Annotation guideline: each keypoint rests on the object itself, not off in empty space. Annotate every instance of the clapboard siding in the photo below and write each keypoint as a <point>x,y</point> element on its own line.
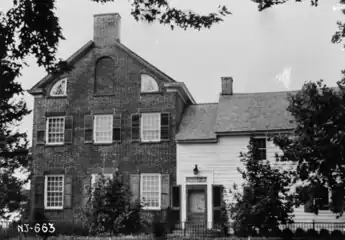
<point>223,158</point>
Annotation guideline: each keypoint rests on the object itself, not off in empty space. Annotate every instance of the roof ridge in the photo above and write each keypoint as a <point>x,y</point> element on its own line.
<point>252,93</point>
<point>205,103</point>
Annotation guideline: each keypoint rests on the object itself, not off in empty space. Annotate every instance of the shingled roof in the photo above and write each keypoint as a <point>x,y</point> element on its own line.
<point>240,113</point>
<point>198,122</point>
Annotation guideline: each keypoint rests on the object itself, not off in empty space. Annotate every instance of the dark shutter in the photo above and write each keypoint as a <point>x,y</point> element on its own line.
<point>88,128</point>
<point>39,192</point>
<point>217,195</point>
<point>134,184</point>
<point>41,133</point>
<point>86,190</point>
<point>68,129</point>
<point>136,127</point>
<point>117,127</point>
<point>176,196</point>
<point>165,191</point>
<point>68,192</point>
<point>165,126</point>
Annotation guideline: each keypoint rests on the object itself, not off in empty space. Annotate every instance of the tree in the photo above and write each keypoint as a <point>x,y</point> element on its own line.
<point>265,201</point>
<point>318,145</point>
<point>14,145</point>
<point>109,208</point>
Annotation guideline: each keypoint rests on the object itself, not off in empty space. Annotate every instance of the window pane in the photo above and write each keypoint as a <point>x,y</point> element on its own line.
<point>103,128</point>
<point>56,129</point>
<point>151,190</point>
<point>151,127</point>
<point>54,191</point>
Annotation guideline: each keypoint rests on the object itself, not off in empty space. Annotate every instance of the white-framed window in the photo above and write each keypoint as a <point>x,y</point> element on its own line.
<point>148,84</point>
<point>59,88</point>
<point>150,190</point>
<point>150,130</point>
<point>54,192</point>
<point>103,128</point>
<point>55,130</point>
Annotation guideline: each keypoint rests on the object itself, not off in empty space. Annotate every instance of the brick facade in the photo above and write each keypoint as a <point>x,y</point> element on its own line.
<point>80,159</point>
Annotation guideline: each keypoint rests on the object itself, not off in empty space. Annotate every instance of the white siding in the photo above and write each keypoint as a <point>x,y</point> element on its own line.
<point>223,159</point>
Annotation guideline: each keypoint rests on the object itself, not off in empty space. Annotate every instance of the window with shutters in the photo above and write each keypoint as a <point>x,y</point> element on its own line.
<point>150,127</point>
<point>150,191</point>
<point>55,130</point>
<point>103,128</point>
<point>59,89</point>
<point>260,148</point>
<point>148,84</point>
<point>54,192</point>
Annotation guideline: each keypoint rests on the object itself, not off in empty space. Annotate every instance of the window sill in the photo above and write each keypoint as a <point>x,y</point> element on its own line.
<point>151,209</point>
<point>54,144</point>
<point>53,209</point>
<point>152,142</point>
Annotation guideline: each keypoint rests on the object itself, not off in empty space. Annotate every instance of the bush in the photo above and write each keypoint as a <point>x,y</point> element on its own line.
<point>159,229</point>
<point>324,233</point>
<point>241,232</point>
<point>300,233</point>
<point>337,235</point>
<point>287,234</point>
<point>275,233</point>
<point>312,234</point>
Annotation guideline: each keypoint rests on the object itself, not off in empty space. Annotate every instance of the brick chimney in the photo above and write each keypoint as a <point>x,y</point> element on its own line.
<point>106,29</point>
<point>227,85</point>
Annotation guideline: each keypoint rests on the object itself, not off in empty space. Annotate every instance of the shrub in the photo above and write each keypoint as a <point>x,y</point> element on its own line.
<point>158,228</point>
<point>241,232</point>
<point>324,233</point>
<point>109,208</point>
<point>337,235</point>
<point>300,233</point>
<point>287,234</point>
<point>312,234</point>
<point>275,233</point>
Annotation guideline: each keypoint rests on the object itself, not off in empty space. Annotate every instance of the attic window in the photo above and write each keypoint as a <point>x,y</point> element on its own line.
<point>59,88</point>
<point>148,84</point>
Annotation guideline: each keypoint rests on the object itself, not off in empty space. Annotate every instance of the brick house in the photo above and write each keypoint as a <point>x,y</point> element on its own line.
<point>113,110</point>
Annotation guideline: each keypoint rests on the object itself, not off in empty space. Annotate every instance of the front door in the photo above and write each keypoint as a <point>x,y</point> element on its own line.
<point>196,201</point>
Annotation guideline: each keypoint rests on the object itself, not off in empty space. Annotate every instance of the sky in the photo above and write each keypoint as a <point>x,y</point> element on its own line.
<point>278,49</point>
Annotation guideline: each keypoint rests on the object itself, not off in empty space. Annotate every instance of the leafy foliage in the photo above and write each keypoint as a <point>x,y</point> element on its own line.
<point>265,201</point>
<point>109,208</point>
<point>318,143</point>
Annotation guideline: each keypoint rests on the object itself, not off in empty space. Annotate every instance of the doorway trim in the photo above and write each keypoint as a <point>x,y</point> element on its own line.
<point>197,187</point>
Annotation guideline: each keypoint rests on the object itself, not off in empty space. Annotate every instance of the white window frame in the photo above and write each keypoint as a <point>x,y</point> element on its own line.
<point>46,191</point>
<point>95,117</point>
<point>47,130</point>
<point>146,78</point>
<point>142,127</point>
<point>54,86</point>
<point>159,186</point>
